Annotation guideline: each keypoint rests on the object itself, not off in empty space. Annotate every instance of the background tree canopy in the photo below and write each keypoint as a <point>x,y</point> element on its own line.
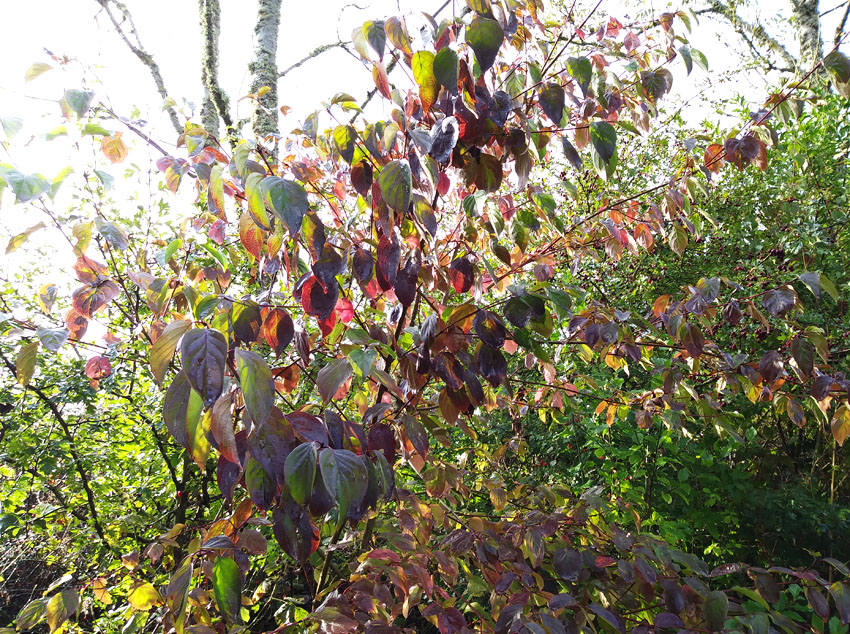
<point>528,352</point>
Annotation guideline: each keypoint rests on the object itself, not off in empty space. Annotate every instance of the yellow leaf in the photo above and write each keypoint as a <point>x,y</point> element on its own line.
<point>35,70</point>
<point>25,362</point>
<point>841,424</point>
<point>114,148</point>
<point>98,586</point>
<point>143,597</point>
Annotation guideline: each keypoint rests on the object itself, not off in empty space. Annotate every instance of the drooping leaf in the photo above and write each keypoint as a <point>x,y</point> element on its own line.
<point>446,69</point>
<point>114,148</point>
<point>492,365</point>
<point>61,606</point>
<point>346,479</point>
<point>716,609</point>
<point>376,36</point>
<point>221,427</point>
<point>278,328</point>
<point>396,184</point>
<point>444,137</point>
<point>551,98</point>
<point>246,320</point>
<point>345,139</point>
<point>287,199</point>
<point>294,530</point>
<point>77,101</point>
<point>165,345</point>
<point>255,379</point>
<point>16,241</point>
<point>489,328</point>
<point>204,355</point>
<point>317,300</point>
<point>423,74</point>
<point>227,587</point>
<point>461,274</point>
<point>580,69</point>
<point>389,253</point>
<point>331,377</point>
<point>300,471</point>
<point>37,69</point>
<point>31,614</point>
<point>397,35</point>
<point>485,36</point>
<point>25,362</point>
<point>52,338</point>
<point>603,137</point>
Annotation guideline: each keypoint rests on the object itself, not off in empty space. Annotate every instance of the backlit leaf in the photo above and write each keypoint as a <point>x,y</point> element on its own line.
<point>300,470</point>
<point>227,587</point>
<point>204,355</point>
<point>255,379</point>
<point>396,184</point>
<point>331,377</point>
<point>485,36</point>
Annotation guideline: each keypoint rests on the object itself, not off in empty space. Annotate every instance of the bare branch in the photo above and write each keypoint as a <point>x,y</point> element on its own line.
<point>839,32</point>
<point>753,34</point>
<point>139,51</point>
<point>314,53</point>
<point>216,103</point>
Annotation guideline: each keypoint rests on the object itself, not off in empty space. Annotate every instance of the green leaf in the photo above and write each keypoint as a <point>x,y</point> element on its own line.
<point>551,99</point>
<point>603,137</point>
<point>678,239</point>
<point>446,69</point>
<point>77,101</point>
<point>163,348</point>
<point>26,186</point>
<point>227,587</point>
<point>11,125</point>
<point>255,379</point>
<point>685,52</point>
<point>61,607</point>
<point>31,614</point>
<point>25,362</point>
<point>345,137</point>
<point>838,64</point>
<point>700,59</point>
<point>715,610</point>
<point>300,471</point>
<point>364,360</point>
<point>331,377</point>
<point>52,338</point>
<point>376,36</point>
<point>115,235</point>
<point>580,69</point>
<point>485,36</point>
<point>204,354</point>
<point>94,129</point>
<point>256,205</point>
<point>396,183</point>
<point>287,199</point>
<point>346,479</point>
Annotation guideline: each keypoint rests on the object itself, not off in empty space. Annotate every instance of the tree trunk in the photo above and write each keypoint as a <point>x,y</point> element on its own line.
<point>210,15</point>
<point>264,68</point>
<point>807,27</point>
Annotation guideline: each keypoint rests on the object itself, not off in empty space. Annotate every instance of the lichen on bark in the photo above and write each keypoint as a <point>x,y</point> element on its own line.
<point>264,68</point>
